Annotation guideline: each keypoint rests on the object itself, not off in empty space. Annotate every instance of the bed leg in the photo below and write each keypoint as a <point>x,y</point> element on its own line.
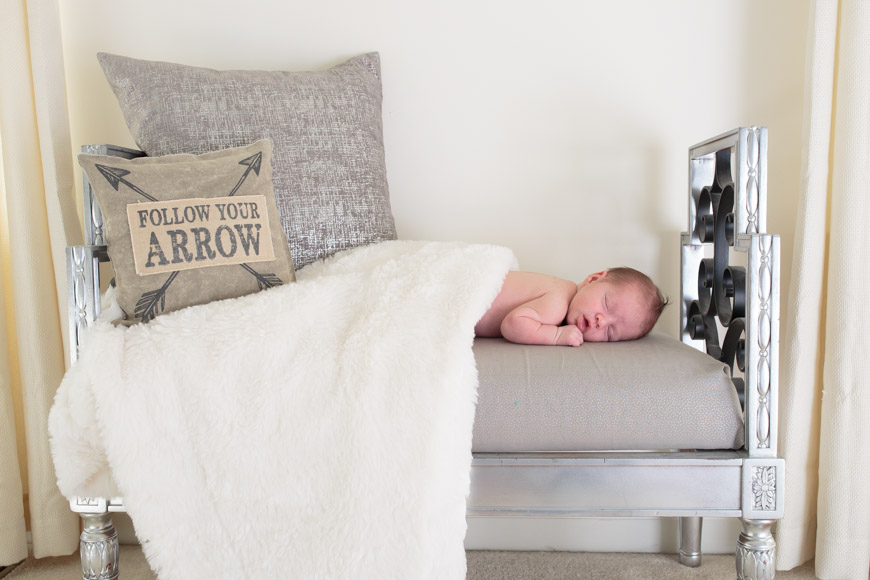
<point>99,547</point>
<point>756,551</point>
<point>690,541</point>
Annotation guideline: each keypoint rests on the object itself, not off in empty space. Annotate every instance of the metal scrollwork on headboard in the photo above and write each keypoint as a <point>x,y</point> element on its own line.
<point>721,287</point>
<point>730,284</point>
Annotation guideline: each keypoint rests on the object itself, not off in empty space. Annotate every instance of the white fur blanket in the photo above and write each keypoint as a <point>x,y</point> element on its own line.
<point>317,430</point>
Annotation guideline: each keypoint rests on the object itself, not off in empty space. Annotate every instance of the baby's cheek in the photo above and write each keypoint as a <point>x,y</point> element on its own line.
<point>592,336</point>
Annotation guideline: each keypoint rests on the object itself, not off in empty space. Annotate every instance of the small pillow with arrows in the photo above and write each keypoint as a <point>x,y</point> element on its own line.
<point>186,229</point>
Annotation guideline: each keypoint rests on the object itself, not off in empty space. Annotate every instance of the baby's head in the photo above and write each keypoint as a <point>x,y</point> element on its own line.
<point>616,304</point>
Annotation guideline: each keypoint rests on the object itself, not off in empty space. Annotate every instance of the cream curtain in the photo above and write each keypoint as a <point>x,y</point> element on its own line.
<point>825,428</point>
<point>38,219</point>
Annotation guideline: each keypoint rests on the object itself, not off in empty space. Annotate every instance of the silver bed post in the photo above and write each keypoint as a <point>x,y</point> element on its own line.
<point>756,551</point>
<point>99,547</point>
<point>99,540</point>
<point>728,191</point>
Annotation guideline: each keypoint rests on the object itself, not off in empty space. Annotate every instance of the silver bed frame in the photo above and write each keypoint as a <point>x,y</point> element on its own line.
<point>729,288</point>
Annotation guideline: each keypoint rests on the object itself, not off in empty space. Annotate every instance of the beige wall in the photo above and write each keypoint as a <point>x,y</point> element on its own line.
<point>559,128</point>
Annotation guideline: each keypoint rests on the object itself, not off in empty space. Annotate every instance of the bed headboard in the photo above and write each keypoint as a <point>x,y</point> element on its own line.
<point>730,273</point>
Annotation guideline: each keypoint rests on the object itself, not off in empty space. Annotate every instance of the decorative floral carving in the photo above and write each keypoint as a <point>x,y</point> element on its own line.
<point>764,488</point>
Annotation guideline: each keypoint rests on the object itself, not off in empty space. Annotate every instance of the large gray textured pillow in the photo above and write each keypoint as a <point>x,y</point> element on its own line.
<point>328,162</point>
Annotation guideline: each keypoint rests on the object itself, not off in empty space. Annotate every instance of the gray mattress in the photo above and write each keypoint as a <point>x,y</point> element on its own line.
<point>648,394</point>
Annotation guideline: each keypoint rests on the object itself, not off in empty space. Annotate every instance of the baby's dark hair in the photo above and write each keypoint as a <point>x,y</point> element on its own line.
<point>657,300</point>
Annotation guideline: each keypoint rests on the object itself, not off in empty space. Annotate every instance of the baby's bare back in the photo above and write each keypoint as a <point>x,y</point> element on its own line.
<point>520,288</point>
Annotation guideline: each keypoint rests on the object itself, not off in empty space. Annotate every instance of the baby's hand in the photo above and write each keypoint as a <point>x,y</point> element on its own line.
<point>569,335</point>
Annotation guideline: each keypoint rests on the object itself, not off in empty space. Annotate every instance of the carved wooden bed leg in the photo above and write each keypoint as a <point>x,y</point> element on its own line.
<point>690,541</point>
<point>756,551</point>
<point>99,547</point>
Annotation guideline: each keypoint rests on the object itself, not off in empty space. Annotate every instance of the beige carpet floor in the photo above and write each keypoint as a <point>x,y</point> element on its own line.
<point>481,566</point>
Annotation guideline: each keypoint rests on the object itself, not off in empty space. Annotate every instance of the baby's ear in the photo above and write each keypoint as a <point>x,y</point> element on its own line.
<point>594,277</point>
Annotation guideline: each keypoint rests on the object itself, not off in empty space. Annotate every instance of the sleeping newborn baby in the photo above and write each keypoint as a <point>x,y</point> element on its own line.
<point>611,305</point>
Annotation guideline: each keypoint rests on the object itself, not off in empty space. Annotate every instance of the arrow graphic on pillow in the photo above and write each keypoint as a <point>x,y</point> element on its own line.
<point>115,177</point>
<point>152,303</point>
<point>263,280</point>
<point>253,162</point>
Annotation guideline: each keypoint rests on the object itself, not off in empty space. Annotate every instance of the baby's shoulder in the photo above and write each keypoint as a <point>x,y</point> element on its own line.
<point>534,284</point>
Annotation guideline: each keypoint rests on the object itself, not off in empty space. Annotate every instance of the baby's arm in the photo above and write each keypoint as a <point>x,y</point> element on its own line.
<point>528,323</point>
